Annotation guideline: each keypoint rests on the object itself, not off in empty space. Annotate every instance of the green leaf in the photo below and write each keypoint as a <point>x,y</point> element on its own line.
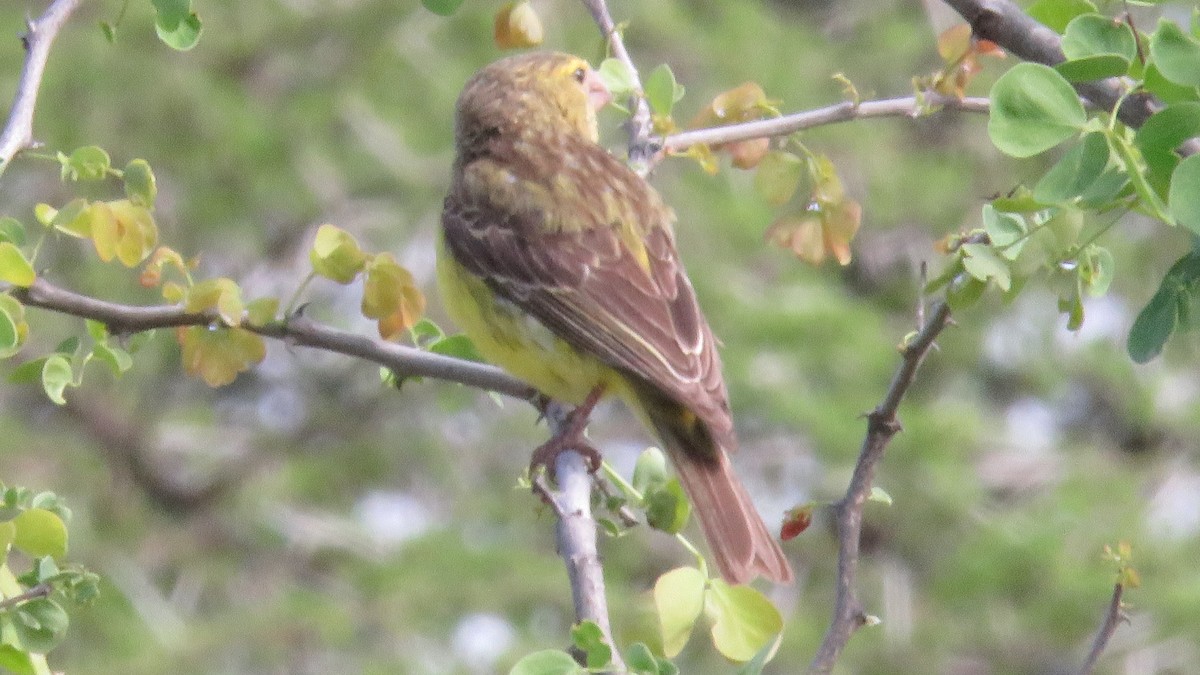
<point>588,638</point>
<point>74,218</point>
<point>1166,129</point>
<point>1166,90</point>
<point>1075,172</point>
<point>1007,231</point>
<point>963,291</point>
<point>650,470</point>
<point>880,495</point>
<point>982,262</point>
<point>1033,110</point>
<point>12,231</point>
<point>1096,270</point>
<point>40,625</point>
<point>176,24</point>
<point>1153,325</point>
<point>679,599</point>
<point>667,508</point>
<point>118,360</point>
<point>1095,35</point>
<point>744,620</point>
<point>1183,199</point>
<point>1057,14</point>
<point>1176,54</point>
<point>1089,68</point>
<point>1157,320</point>
<point>442,7</point>
<point>9,337</point>
<point>549,662</point>
<point>458,346</point>
<point>40,532</point>
<point>87,163</point>
<point>15,660</point>
<point>56,376</point>
<point>140,185</point>
<point>14,267</point>
<point>662,91</point>
<point>616,76</point>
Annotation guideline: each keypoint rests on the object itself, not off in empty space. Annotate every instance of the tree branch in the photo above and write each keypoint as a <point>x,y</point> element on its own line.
<point>405,361</point>
<point>846,111</point>
<point>18,130</point>
<point>41,590</point>
<point>1007,25</point>
<point>641,147</point>
<point>882,425</point>
<point>1112,618</point>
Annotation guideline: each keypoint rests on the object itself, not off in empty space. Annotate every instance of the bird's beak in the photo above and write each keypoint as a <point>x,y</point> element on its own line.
<point>598,94</point>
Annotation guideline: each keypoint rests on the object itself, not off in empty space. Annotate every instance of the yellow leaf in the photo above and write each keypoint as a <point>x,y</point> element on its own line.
<point>517,26</point>
<point>336,255</point>
<point>391,296</point>
<point>679,599</point>
<point>103,230</point>
<point>801,233</point>
<point>221,294</point>
<point>14,267</point>
<point>744,620</point>
<point>217,356</point>
<point>137,234</point>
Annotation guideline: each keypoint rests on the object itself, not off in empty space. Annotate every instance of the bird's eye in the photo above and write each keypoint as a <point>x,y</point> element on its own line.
<point>579,74</point>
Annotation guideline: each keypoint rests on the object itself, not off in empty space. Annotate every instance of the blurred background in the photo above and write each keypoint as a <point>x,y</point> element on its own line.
<point>307,519</point>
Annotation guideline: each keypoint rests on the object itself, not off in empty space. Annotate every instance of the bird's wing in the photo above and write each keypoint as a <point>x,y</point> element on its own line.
<point>606,279</point>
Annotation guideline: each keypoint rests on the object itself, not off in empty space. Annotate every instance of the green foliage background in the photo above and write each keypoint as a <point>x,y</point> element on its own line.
<point>305,519</point>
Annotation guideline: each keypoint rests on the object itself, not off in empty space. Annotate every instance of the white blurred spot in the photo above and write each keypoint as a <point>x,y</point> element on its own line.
<point>391,517</point>
<point>481,639</point>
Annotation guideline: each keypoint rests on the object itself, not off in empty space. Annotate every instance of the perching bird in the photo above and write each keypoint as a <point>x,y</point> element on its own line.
<point>559,262</point>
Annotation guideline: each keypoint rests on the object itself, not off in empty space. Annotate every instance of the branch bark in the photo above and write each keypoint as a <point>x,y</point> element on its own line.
<point>1112,618</point>
<point>39,35</point>
<point>641,147</point>
<point>846,111</point>
<point>882,425</point>
<point>123,319</point>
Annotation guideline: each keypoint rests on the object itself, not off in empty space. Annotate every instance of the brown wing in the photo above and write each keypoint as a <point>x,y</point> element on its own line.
<point>597,265</point>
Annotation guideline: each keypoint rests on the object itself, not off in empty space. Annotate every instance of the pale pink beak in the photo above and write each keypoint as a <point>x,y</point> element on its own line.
<point>598,94</point>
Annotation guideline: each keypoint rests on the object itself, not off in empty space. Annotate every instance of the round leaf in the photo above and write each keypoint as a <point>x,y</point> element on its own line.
<point>679,598</point>
<point>14,267</point>
<point>744,620</point>
<point>1169,127</point>
<point>56,376</point>
<point>140,185</point>
<point>1033,110</point>
<point>1075,172</point>
<point>335,254</point>
<point>1176,54</point>
<point>1183,199</point>
<point>1093,67</point>
<point>1057,14</point>
<point>11,230</point>
<point>40,532</point>
<point>1094,34</point>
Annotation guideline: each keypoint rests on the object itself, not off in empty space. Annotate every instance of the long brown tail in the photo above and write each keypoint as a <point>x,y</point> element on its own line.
<point>739,539</point>
<point>737,535</point>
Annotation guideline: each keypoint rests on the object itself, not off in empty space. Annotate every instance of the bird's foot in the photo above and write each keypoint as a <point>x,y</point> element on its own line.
<point>570,436</point>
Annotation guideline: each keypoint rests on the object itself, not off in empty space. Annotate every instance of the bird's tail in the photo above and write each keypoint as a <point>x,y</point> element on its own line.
<point>740,541</point>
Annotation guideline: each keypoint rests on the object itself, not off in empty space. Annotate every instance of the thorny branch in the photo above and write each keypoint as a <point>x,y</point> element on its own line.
<point>882,425</point>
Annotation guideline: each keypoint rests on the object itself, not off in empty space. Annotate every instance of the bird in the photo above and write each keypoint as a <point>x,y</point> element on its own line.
<point>560,263</point>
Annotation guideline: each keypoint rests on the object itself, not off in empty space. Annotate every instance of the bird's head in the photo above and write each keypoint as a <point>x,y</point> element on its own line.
<point>547,91</point>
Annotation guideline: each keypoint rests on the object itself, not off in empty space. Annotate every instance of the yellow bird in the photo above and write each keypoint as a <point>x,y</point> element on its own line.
<point>559,262</point>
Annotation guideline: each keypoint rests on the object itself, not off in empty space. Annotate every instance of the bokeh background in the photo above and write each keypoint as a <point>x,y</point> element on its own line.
<point>307,519</point>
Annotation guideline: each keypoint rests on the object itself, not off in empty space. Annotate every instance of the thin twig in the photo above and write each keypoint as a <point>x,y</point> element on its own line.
<point>39,591</point>
<point>846,111</point>
<point>40,33</point>
<point>882,425</point>
<point>1112,618</point>
<point>641,148</point>
<point>405,361</point>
